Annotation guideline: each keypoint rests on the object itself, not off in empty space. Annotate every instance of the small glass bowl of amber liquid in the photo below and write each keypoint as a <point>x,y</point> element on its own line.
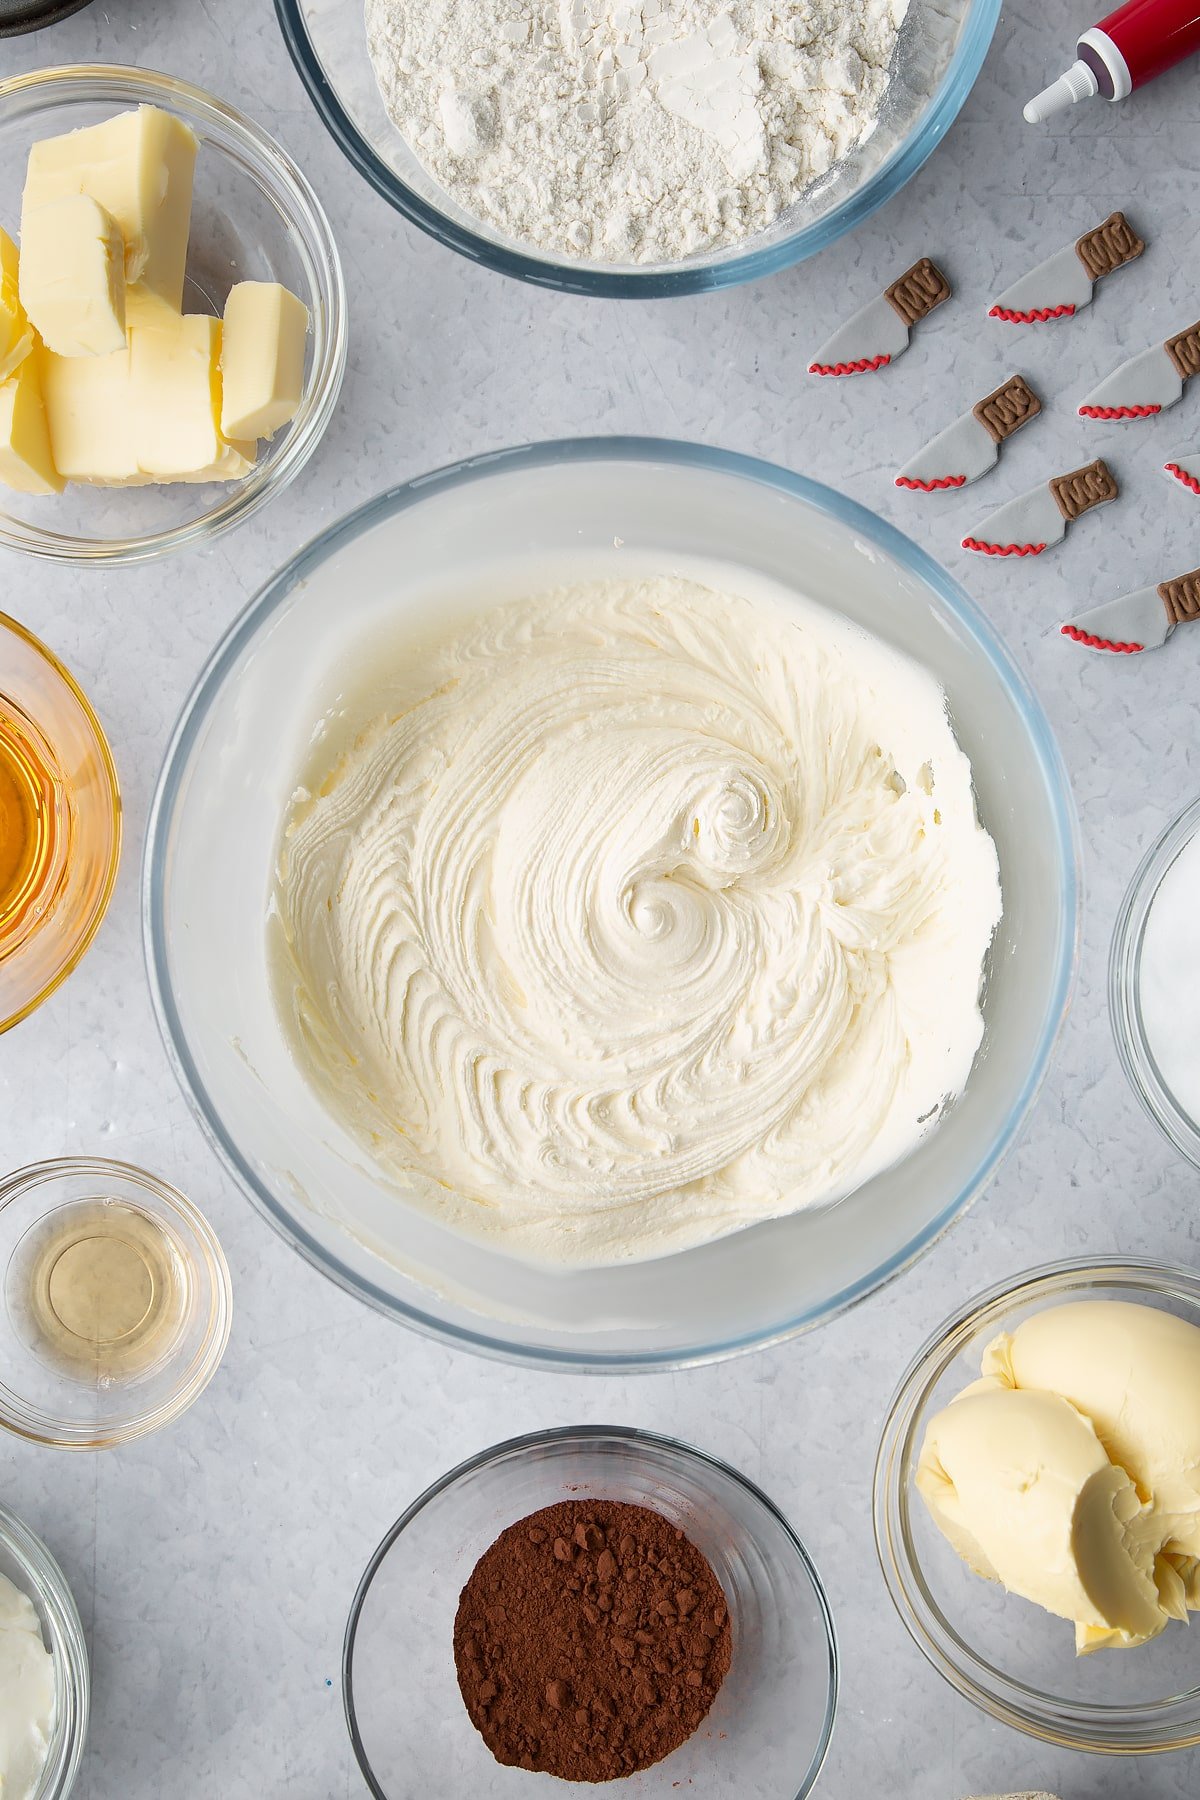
<point>115,1303</point>
<point>60,823</point>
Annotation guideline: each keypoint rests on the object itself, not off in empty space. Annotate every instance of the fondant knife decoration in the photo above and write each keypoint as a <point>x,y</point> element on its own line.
<point>1140,621</point>
<point>970,447</point>
<point>1183,466</point>
<point>1032,522</point>
<point>1065,282</point>
<point>879,332</point>
<point>1149,382</point>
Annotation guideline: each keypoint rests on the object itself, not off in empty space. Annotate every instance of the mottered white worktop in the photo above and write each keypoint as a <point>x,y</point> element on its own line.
<point>214,1564</point>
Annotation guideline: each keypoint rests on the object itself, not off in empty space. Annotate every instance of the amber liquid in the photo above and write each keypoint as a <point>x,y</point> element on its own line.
<point>34,826</point>
<point>97,1290</point>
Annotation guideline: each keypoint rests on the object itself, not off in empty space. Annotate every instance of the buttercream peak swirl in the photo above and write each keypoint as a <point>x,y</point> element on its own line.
<point>641,911</point>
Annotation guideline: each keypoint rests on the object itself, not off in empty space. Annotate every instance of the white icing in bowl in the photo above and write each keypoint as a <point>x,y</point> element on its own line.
<point>628,914</point>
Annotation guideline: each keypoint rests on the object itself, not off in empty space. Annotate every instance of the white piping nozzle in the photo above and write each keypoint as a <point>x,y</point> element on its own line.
<point>1079,83</point>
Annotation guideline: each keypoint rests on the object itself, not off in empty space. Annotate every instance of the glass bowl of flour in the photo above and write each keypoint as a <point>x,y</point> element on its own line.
<point>666,147</point>
<point>611,903</point>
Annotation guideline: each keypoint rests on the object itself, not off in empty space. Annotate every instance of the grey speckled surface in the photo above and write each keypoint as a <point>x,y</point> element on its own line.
<point>214,1564</point>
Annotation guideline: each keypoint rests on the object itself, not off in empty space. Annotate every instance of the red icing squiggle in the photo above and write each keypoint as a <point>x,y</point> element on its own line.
<point>1099,643</point>
<point>1189,481</point>
<point>929,487</point>
<point>972,543</point>
<point>1037,316</point>
<point>1118,412</point>
<point>861,367</point>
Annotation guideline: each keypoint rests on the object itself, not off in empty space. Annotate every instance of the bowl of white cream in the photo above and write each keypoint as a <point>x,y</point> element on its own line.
<point>1154,983</point>
<point>611,902</point>
<point>45,1684</point>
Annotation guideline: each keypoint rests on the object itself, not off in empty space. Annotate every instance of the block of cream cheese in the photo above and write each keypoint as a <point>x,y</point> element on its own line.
<point>72,281</point>
<point>262,359</point>
<point>16,337</point>
<point>139,166</point>
<point>1135,1372</point>
<point>1024,1490</point>
<point>175,395</point>
<point>90,417</point>
<point>26,460</point>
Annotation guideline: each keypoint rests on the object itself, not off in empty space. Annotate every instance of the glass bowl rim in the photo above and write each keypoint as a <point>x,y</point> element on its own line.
<point>109,769</point>
<point>290,189</point>
<point>73,1678</point>
<point>585,1435</point>
<point>622,281</point>
<point>275,593</point>
<point>1091,1726</point>
<point>58,1434</point>
<point>1124,986</point>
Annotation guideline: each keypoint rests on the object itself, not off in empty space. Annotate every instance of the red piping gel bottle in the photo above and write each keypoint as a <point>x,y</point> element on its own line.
<point>1133,45</point>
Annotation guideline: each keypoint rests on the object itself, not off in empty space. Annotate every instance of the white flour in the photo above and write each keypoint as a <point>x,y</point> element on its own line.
<point>631,130</point>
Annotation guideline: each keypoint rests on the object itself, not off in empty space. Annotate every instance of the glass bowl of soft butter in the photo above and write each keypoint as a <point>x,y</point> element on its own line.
<point>31,1579</point>
<point>254,219</point>
<point>1056,1491</point>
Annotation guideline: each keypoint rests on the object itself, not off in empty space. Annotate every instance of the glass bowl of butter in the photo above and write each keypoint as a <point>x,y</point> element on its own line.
<point>117,1303</point>
<point>1037,1512</point>
<point>44,1708</point>
<point>172,316</point>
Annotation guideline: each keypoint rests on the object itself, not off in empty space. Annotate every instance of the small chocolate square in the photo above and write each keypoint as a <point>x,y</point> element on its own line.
<point>1184,351</point>
<point>915,293</point>
<point>1084,488</point>
<point>1181,597</point>
<point>1007,408</point>
<point>1109,246</point>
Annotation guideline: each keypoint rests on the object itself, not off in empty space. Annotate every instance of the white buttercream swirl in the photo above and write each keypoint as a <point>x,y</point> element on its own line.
<point>642,912</point>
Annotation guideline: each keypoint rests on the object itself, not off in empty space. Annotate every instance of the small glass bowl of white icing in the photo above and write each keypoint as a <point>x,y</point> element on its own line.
<point>29,1566</point>
<point>1154,983</point>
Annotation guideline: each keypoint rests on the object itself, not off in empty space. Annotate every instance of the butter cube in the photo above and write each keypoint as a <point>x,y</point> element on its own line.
<point>139,167</point>
<point>146,413</point>
<point>26,462</point>
<point>234,462</point>
<point>175,395</point>
<point>262,359</point>
<point>92,425</point>
<point>73,276</point>
<point>16,336</point>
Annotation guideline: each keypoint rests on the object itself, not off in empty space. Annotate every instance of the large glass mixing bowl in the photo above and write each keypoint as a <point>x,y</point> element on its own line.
<point>939,54</point>
<point>544,514</point>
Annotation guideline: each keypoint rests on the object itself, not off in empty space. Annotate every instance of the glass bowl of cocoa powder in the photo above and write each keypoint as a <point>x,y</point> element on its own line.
<point>747,1582</point>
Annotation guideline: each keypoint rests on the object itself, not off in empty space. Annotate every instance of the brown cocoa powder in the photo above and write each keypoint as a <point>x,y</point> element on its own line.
<point>590,1640</point>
